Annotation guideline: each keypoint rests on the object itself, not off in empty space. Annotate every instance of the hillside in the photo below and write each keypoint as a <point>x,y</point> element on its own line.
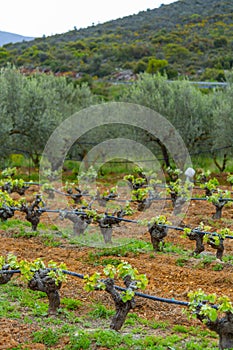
<point>188,37</point>
<point>6,38</point>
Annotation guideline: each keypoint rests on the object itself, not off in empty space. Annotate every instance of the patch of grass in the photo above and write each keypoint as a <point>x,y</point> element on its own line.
<point>218,267</point>
<point>138,329</point>
<point>26,234</point>
<point>100,311</point>
<point>199,345</point>
<point>18,298</point>
<point>40,309</point>
<point>9,310</point>
<point>71,304</point>
<point>49,240</point>
<point>205,260</point>
<point>20,347</point>
<point>110,261</point>
<point>157,325</point>
<point>181,261</point>
<point>180,329</point>
<point>107,338</point>
<point>198,331</point>
<point>227,258</point>
<point>95,239</point>
<point>171,248</point>
<point>116,168</point>
<point>47,337</point>
<point>217,224</point>
<point>131,320</point>
<point>135,247</point>
<point>12,223</point>
<point>79,341</point>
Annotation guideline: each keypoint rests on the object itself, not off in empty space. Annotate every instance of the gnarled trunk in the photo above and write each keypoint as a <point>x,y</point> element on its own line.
<point>223,327</point>
<point>198,237</point>
<point>43,282</point>
<point>145,204</point>
<point>106,232</point>
<point>219,247</point>
<point>157,234</point>
<point>122,308</point>
<point>219,207</point>
<point>5,277</point>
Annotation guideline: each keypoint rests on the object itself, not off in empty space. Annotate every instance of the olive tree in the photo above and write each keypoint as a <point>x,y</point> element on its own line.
<point>32,107</point>
<point>222,127</point>
<point>185,106</point>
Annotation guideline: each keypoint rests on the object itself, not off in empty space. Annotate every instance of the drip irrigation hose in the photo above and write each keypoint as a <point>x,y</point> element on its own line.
<point>139,294</point>
<point>142,295</point>
<point>124,220</point>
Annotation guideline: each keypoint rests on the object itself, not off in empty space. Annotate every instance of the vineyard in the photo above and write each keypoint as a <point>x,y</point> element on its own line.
<point>124,262</point>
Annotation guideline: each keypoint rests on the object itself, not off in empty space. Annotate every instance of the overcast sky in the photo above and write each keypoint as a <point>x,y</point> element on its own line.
<point>47,17</point>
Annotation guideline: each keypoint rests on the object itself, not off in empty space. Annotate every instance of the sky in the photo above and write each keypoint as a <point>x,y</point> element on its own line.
<point>48,17</point>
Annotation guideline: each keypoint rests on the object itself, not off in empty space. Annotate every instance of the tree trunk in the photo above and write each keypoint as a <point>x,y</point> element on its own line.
<point>107,233</point>
<point>122,308</point>
<point>122,311</point>
<point>44,283</point>
<point>198,237</point>
<point>80,226</point>
<point>224,163</point>
<point>165,153</point>
<point>219,207</point>
<point>34,218</point>
<point>4,278</point>
<point>54,302</point>
<point>157,234</point>
<point>6,212</point>
<point>173,195</point>
<point>145,204</point>
<point>36,160</point>
<point>219,247</point>
<point>223,327</point>
<point>163,149</point>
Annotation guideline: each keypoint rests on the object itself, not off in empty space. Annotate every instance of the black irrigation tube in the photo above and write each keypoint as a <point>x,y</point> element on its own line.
<point>154,298</point>
<point>125,220</point>
<point>172,227</point>
<point>142,295</point>
<point>139,294</point>
<point>9,272</point>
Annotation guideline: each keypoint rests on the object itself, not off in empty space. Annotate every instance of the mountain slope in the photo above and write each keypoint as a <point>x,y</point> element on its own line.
<point>6,38</point>
<point>191,37</point>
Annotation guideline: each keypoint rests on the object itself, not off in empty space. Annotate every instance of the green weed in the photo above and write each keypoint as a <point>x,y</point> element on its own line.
<point>180,329</point>
<point>181,261</point>
<point>47,337</point>
<point>79,341</point>
<point>156,325</point>
<point>71,304</point>
<point>26,234</point>
<point>100,311</point>
<point>218,267</point>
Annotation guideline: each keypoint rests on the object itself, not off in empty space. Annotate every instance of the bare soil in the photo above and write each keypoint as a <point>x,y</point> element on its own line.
<point>166,278</point>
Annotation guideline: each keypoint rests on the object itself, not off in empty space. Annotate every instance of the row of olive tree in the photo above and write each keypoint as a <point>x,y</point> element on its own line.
<point>31,107</point>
